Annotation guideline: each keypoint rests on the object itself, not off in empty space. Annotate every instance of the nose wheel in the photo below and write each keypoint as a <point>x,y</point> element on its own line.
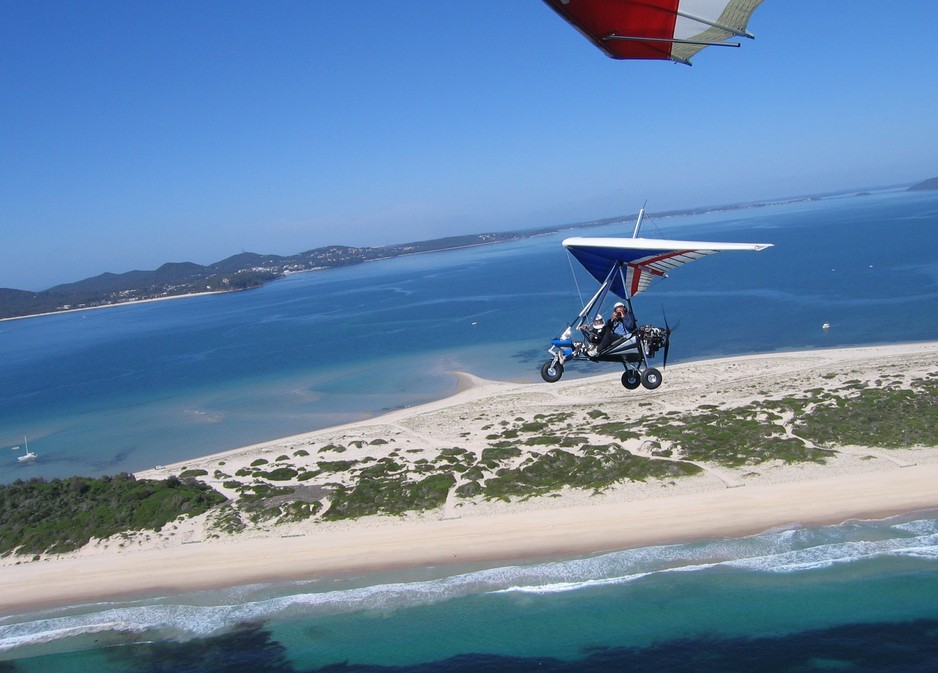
<point>551,371</point>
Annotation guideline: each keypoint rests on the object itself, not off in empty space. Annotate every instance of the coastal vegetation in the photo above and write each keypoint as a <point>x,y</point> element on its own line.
<point>62,515</point>
<point>596,469</point>
<point>890,416</point>
<point>381,470</point>
<point>585,449</point>
<point>746,436</point>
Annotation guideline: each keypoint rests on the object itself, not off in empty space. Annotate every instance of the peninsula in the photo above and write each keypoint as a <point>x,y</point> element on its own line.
<point>249,270</point>
<point>239,272</point>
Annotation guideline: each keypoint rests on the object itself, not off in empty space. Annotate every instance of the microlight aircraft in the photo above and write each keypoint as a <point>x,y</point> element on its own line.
<point>625,267</point>
<point>673,30</point>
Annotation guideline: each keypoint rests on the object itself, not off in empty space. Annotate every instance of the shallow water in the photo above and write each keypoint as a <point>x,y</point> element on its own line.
<point>126,388</point>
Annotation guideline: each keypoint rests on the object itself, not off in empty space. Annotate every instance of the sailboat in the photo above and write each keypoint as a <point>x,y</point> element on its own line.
<point>27,457</point>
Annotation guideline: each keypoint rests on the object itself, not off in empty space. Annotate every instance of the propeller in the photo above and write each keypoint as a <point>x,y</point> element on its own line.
<point>667,339</point>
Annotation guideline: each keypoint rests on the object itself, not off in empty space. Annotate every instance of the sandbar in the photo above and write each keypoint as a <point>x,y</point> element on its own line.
<point>860,483</point>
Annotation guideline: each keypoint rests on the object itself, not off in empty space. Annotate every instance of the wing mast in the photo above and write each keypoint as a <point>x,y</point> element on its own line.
<point>638,222</point>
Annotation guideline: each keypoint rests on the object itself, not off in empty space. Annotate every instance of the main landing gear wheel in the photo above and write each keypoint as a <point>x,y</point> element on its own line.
<point>651,378</point>
<point>631,379</point>
<point>551,371</point>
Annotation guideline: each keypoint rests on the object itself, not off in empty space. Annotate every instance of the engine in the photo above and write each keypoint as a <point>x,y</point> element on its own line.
<point>652,339</point>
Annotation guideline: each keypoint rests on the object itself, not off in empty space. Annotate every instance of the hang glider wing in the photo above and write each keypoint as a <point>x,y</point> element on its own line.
<point>642,259</point>
<point>657,29</point>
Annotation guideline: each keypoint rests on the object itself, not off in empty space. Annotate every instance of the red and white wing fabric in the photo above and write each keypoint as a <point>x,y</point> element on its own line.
<point>657,29</point>
<point>642,260</point>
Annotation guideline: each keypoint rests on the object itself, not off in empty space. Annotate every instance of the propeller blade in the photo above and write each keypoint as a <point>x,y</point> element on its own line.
<point>667,339</point>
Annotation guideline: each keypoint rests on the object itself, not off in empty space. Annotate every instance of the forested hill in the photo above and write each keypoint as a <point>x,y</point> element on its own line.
<point>249,269</point>
<point>239,272</point>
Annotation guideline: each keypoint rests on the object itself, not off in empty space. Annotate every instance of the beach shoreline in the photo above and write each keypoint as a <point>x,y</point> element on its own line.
<point>861,483</point>
<point>128,302</point>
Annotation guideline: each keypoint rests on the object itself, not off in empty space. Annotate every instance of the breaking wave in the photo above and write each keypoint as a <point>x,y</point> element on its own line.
<point>187,616</point>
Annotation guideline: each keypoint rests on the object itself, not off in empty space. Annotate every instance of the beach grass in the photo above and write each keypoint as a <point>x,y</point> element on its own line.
<point>888,416</point>
<point>584,448</point>
<point>524,454</point>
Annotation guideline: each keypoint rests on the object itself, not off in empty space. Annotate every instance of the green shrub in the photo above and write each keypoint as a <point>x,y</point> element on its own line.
<point>62,515</point>
<point>469,489</point>
<point>336,465</point>
<point>389,496</point>
<point>280,474</point>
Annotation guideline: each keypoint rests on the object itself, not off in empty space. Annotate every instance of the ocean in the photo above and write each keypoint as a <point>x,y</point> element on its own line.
<point>125,388</point>
<point>860,596</point>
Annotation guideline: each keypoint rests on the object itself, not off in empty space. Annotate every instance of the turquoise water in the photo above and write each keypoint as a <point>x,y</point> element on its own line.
<point>862,595</point>
<point>129,387</point>
<point>126,388</point>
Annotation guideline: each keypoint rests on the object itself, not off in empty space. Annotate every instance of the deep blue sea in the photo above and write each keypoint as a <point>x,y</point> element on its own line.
<point>125,388</point>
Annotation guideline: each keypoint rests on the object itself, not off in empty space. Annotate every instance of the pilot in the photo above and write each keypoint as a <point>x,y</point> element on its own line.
<point>620,325</point>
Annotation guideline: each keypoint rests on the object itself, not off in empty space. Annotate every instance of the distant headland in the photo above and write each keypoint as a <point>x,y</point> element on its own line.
<point>249,270</point>
<point>931,183</point>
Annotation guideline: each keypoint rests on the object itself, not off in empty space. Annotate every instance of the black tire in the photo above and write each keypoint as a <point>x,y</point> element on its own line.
<point>551,371</point>
<point>651,378</point>
<point>631,379</point>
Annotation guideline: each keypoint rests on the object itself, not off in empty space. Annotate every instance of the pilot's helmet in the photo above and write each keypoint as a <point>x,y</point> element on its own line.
<point>617,305</point>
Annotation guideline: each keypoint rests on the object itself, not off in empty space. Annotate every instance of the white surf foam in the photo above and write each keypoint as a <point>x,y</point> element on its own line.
<point>788,551</point>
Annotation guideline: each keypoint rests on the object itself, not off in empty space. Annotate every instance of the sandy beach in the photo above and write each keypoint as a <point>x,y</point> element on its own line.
<point>719,501</point>
<point>129,302</point>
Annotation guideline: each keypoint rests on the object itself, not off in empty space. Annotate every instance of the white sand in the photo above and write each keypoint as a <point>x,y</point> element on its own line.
<point>860,482</point>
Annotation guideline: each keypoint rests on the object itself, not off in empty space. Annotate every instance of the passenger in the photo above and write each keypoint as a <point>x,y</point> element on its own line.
<point>620,325</point>
<point>593,332</point>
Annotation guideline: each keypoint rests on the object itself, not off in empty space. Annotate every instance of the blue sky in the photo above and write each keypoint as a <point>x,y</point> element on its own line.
<point>135,133</point>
